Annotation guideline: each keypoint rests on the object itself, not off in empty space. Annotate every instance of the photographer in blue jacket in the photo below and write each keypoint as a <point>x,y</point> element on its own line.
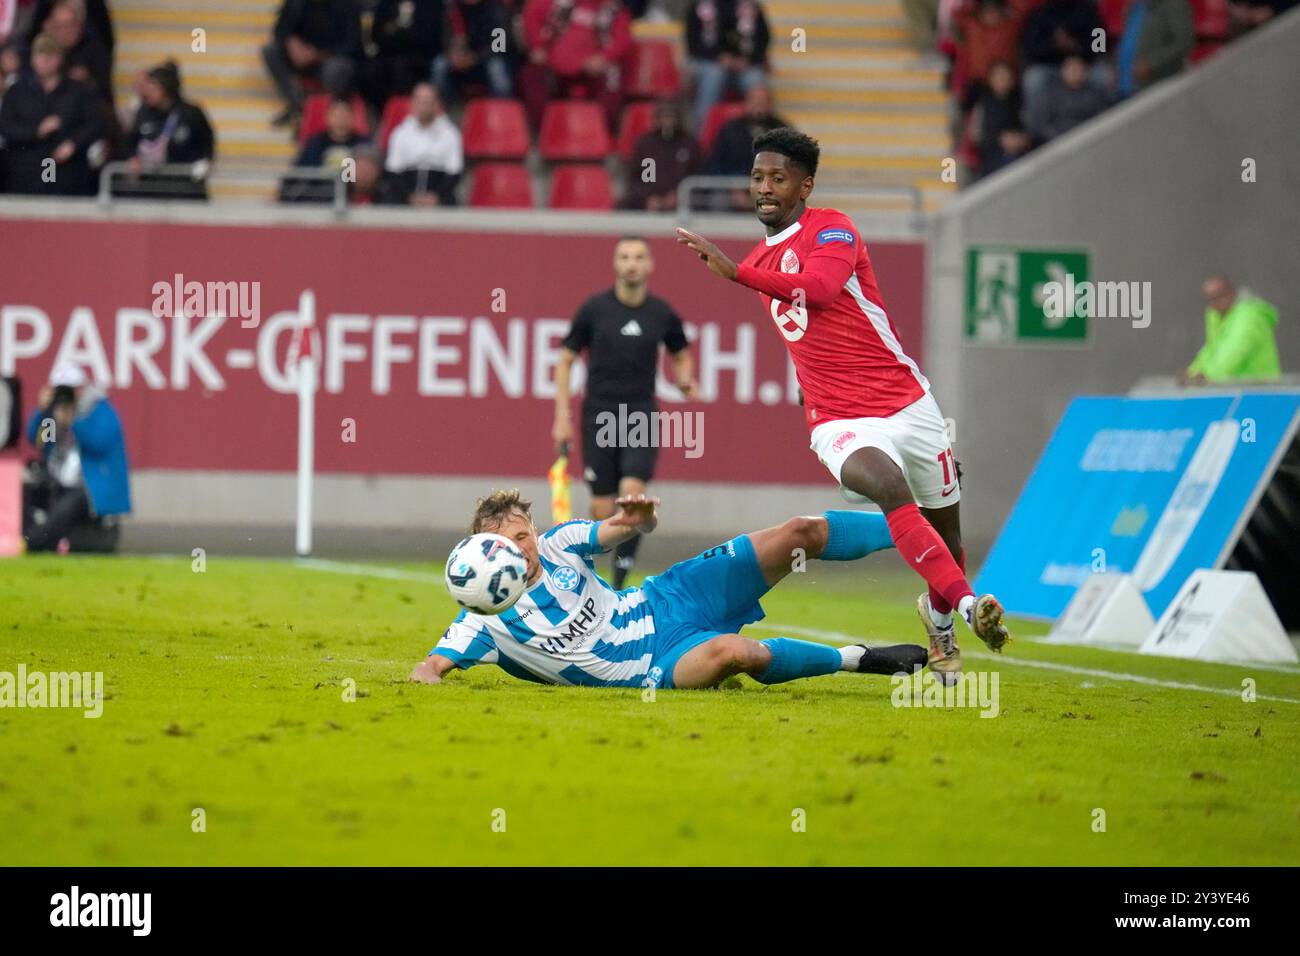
<point>81,483</point>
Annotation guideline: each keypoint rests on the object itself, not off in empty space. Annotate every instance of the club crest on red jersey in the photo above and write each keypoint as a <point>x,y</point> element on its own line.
<point>792,323</point>
<point>789,261</point>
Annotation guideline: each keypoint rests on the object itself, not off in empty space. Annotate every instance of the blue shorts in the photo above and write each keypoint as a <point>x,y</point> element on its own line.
<point>715,592</point>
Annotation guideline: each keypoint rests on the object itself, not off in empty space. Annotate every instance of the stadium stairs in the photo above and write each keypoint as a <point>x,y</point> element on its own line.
<point>879,112</point>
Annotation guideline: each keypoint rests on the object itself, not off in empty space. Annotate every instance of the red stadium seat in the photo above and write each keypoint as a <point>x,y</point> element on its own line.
<point>637,119</point>
<point>495,129</point>
<point>653,71</point>
<point>395,110</point>
<point>1112,17</point>
<point>1210,19</point>
<point>721,114</point>
<point>315,110</point>
<point>581,186</point>
<point>501,186</point>
<point>573,130</point>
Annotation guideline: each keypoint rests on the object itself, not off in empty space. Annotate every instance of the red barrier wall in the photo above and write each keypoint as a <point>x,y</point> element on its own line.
<point>438,345</point>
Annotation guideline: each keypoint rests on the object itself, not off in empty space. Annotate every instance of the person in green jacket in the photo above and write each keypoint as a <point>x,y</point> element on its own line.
<point>1239,339</point>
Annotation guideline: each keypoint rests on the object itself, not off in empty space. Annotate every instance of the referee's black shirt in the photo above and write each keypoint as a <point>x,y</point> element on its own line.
<point>623,345</point>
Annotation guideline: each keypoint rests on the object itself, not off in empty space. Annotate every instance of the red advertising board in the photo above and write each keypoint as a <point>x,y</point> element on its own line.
<point>437,346</point>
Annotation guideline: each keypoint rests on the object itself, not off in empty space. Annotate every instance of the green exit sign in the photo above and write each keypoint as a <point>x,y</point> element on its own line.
<point>1008,292</point>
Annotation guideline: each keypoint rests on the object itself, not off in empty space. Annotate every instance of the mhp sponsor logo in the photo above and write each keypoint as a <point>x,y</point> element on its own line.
<point>564,579</point>
<point>835,235</point>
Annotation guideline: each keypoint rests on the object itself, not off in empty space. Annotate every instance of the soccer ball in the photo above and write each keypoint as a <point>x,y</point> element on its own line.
<point>486,573</point>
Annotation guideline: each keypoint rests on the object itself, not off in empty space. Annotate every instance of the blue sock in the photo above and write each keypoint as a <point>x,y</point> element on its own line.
<point>855,534</point>
<point>793,659</point>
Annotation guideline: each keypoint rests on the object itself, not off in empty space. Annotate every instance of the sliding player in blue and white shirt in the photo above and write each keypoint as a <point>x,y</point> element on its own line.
<point>679,629</point>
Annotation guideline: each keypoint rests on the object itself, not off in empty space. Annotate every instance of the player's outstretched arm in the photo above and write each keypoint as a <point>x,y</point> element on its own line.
<point>715,258</point>
<point>431,669</point>
<point>636,515</point>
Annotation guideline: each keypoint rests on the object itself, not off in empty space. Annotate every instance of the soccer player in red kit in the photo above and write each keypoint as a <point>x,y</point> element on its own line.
<point>874,423</point>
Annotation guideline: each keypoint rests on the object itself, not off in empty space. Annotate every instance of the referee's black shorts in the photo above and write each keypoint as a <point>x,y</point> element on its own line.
<point>606,460</point>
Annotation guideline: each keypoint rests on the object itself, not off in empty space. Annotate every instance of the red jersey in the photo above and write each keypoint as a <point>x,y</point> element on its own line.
<point>819,287</point>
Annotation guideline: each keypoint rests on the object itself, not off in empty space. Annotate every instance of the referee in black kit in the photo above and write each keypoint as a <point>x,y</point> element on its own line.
<point>621,329</point>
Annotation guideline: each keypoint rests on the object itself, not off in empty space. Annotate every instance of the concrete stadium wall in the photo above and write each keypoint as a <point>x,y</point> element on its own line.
<point>1153,189</point>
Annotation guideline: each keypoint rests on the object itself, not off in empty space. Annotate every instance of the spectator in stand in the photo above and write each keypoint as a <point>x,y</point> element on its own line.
<point>996,122</point>
<point>98,20</point>
<point>674,154</point>
<point>1158,36</point>
<point>317,39</point>
<point>15,24</point>
<point>1240,342</point>
<point>726,42</point>
<point>11,65</point>
<point>334,149</point>
<point>337,141</point>
<point>1245,15</point>
<point>85,58</point>
<point>1066,102</point>
<point>83,477</point>
<point>169,129</point>
<point>576,48</point>
<point>366,187</point>
<point>46,115</point>
<point>425,156</point>
<point>1057,29</point>
<point>475,53</point>
<point>406,36</point>
<point>733,149</point>
<point>988,31</point>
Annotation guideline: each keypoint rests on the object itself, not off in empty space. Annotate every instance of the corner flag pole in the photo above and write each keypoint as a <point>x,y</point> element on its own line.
<point>306,381</point>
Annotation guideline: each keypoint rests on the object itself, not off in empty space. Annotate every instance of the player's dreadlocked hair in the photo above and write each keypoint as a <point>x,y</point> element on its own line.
<point>799,148</point>
<point>496,508</point>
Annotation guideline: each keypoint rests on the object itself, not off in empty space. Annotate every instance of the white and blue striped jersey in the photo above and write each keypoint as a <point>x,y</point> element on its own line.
<point>570,627</point>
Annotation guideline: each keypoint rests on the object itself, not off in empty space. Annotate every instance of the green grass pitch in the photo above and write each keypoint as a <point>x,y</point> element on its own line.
<point>226,692</point>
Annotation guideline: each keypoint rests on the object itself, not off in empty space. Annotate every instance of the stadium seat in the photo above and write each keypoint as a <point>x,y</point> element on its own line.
<point>637,118</point>
<point>581,186</point>
<point>495,129</point>
<point>718,116</point>
<point>501,186</point>
<point>1112,18</point>
<point>1210,19</point>
<point>653,72</point>
<point>574,130</point>
<point>395,110</point>
<point>314,112</point>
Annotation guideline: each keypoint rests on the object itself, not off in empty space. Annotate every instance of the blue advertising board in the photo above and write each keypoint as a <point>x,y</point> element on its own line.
<point>1152,487</point>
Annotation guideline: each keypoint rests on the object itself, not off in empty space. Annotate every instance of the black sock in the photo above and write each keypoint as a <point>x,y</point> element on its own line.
<point>625,560</point>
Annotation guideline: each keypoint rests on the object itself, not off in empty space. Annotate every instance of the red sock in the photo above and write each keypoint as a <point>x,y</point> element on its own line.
<point>925,552</point>
<point>937,600</point>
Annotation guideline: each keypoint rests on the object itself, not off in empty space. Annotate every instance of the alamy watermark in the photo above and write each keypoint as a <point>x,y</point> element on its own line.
<point>638,429</point>
<point>232,300</point>
<point>925,688</point>
<point>63,689</point>
<point>1100,300</point>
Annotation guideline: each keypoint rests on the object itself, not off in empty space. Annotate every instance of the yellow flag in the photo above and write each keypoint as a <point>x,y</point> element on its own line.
<point>558,476</point>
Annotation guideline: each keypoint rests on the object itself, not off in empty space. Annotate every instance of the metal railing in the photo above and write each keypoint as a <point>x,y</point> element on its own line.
<point>118,180</point>
<point>692,184</point>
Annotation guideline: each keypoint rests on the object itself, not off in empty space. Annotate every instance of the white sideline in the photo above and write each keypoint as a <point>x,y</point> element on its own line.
<point>839,637</point>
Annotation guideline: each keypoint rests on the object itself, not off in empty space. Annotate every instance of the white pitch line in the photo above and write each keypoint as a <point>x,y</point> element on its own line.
<point>841,638</point>
<point>366,570</point>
